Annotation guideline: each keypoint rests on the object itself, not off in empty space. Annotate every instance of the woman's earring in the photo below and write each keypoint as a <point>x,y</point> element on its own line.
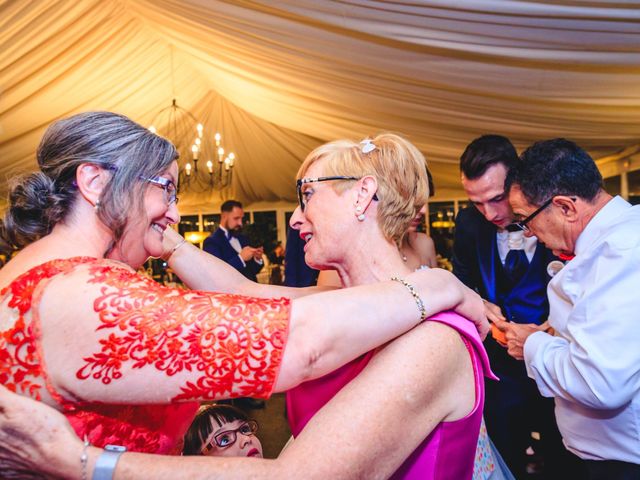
<point>360,217</point>
<point>97,205</point>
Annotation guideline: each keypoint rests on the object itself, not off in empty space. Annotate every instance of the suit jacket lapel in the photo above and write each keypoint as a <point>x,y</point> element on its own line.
<point>487,253</point>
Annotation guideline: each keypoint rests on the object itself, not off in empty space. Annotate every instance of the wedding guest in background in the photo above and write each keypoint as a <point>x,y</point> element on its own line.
<point>510,271</point>
<point>230,245</point>
<point>591,365</point>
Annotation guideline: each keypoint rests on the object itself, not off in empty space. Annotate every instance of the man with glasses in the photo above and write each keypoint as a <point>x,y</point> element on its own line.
<point>591,365</point>
<point>510,272</point>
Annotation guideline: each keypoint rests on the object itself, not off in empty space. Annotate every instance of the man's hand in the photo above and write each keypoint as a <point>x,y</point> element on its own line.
<point>516,335</point>
<point>247,253</point>
<point>257,256</point>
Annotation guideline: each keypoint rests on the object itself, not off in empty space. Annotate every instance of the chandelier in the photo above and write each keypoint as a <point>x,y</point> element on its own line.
<point>204,165</point>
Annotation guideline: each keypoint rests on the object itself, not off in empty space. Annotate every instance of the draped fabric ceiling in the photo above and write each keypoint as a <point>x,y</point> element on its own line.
<point>278,78</point>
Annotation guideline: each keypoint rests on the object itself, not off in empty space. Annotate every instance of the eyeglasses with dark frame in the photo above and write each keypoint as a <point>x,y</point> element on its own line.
<point>522,224</point>
<point>228,437</point>
<point>302,181</point>
<point>170,190</point>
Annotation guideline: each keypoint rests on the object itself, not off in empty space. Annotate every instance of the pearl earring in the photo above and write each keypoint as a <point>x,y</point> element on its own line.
<point>360,217</point>
<point>358,208</point>
<point>97,205</point>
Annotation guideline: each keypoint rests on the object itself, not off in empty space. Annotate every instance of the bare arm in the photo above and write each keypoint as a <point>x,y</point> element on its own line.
<point>423,396</point>
<point>203,271</point>
<point>139,342</point>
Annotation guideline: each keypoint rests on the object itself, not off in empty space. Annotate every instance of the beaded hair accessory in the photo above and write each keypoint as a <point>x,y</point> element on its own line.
<point>367,146</point>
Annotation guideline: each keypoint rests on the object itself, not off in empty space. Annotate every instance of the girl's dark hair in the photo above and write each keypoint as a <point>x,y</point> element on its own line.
<point>201,427</point>
<point>40,200</point>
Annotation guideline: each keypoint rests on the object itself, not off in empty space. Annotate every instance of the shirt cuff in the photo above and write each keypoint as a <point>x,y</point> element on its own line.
<point>532,345</point>
<point>241,260</point>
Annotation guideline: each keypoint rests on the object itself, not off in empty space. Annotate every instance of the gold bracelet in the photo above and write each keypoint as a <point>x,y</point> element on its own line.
<point>172,251</point>
<point>416,297</point>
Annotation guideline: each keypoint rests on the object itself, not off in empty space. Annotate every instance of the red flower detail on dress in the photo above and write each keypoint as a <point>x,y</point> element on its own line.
<point>233,343</point>
<point>20,369</point>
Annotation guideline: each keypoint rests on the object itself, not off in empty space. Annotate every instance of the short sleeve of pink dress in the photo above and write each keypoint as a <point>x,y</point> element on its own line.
<point>233,344</point>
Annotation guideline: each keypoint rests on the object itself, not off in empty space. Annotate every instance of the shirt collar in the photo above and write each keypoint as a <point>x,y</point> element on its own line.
<point>601,221</point>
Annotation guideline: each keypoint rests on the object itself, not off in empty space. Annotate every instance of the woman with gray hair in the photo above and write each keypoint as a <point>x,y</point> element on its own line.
<point>126,359</point>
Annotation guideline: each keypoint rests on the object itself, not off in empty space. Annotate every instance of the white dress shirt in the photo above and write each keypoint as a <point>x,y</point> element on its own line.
<point>235,244</point>
<point>515,241</point>
<point>592,365</point>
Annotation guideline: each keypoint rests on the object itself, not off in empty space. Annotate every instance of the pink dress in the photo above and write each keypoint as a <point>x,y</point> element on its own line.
<point>228,344</point>
<point>448,452</point>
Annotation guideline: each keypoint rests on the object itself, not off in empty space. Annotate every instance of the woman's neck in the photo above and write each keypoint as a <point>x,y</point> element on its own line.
<point>371,262</point>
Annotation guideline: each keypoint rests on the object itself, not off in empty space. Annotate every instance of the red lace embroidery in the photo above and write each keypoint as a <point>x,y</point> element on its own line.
<point>19,362</point>
<point>234,343</point>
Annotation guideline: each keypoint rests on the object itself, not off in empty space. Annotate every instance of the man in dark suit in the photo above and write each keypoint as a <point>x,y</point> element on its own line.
<point>510,272</point>
<point>296,271</point>
<point>228,244</point>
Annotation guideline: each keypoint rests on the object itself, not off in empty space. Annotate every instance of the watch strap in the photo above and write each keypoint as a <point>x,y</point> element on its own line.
<point>107,461</point>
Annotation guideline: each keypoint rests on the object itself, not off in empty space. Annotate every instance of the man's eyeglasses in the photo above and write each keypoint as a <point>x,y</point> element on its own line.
<point>228,437</point>
<point>522,224</point>
<point>301,181</point>
<point>170,190</point>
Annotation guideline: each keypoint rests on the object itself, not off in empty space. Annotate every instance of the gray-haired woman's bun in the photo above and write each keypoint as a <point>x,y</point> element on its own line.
<point>34,207</point>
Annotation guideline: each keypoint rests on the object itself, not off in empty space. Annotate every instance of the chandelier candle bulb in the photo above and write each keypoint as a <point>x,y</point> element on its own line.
<point>187,169</point>
<point>220,154</point>
<point>194,150</point>
<point>217,137</point>
<point>210,166</point>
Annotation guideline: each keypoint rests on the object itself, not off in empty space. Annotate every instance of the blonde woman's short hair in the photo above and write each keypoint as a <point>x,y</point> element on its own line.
<point>397,165</point>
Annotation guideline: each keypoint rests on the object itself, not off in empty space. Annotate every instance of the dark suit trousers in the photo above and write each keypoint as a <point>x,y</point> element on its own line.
<point>513,409</point>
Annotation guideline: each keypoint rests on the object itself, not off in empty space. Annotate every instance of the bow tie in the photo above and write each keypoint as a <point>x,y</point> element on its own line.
<point>231,234</point>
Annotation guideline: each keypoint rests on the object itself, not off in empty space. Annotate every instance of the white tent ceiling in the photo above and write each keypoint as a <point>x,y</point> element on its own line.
<point>280,77</point>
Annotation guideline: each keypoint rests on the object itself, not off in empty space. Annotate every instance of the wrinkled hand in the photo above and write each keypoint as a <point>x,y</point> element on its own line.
<point>516,335</point>
<point>31,433</point>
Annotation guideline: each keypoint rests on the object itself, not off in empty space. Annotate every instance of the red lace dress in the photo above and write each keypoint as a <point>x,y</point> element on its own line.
<point>205,345</point>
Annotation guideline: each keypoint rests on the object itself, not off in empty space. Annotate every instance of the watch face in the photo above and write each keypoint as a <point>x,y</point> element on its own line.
<point>115,448</point>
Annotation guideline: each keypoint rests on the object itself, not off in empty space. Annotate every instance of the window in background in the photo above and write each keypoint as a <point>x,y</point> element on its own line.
<point>211,222</point>
<point>612,185</point>
<point>189,223</point>
<point>264,230</point>
<point>441,227</point>
<point>287,219</point>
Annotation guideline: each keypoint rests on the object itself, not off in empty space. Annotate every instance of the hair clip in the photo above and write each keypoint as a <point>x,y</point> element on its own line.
<point>367,145</point>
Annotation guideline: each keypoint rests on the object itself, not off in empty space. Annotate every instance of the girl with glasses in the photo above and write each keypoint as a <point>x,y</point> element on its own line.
<point>222,431</point>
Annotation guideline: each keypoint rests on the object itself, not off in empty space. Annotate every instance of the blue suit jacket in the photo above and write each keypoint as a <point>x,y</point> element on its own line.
<point>217,244</point>
<point>476,262</point>
<point>296,271</point>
